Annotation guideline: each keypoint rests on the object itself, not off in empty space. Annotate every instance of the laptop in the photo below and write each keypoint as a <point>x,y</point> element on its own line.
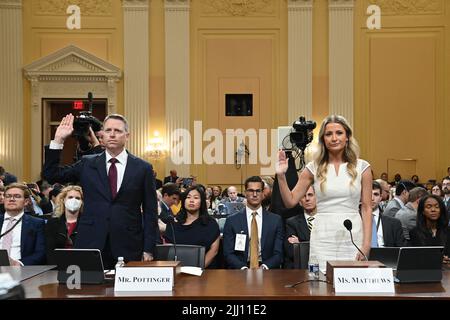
<point>419,264</point>
<point>386,255</point>
<point>88,260</point>
<point>4,258</point>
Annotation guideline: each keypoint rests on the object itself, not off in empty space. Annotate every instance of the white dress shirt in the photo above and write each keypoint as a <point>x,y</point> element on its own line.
<point>122,159</point>
<point>17,234</point>
<point>380,239</point>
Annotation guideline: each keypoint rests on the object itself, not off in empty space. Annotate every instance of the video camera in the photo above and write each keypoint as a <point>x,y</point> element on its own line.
<point>302,135</point>
<point>82,123</point>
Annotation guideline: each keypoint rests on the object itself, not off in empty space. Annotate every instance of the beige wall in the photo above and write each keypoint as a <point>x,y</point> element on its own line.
<point>44,31</point>
<point>237,50</point>
<point>402,89</point>
<point>401,85</point>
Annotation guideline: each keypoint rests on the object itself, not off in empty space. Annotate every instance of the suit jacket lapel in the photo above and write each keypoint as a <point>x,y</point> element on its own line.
<point>24,233</point>
<point>264,230</point>
<point>100,165</point>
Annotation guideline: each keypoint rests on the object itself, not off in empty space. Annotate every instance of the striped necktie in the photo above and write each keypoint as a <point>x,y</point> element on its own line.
<point>310,223</point>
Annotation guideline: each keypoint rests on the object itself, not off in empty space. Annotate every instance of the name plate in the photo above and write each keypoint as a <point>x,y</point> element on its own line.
<point>363,280</point>
<point>144,279</point>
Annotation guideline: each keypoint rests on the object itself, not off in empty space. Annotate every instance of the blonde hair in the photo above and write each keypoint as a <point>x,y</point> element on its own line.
<point>351,151</point>
<point>60,208</point>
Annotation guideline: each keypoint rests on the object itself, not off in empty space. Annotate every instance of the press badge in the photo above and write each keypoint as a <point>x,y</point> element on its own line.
<point>241,239</point>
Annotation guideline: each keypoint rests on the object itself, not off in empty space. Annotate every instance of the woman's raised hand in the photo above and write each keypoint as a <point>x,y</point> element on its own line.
<point>282,164</point>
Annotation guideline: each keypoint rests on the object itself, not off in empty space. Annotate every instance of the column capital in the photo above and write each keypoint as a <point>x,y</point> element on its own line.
<point>177,5</point>
<point>300,4</point>
<point>341,4</point>
<point>135,5</point>
<point>11,4</point>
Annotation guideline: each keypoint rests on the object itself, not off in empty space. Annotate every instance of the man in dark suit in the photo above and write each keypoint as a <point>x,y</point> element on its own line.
<point>172,178</point>
<point>23,235</point>
<point>120,206</point>
<point>298,227</point>
<point>255,228</point>
<point>389,230</point>
<point>170,196</point>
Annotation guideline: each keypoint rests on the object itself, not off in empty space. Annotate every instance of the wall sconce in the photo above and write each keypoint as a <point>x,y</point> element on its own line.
<point>156,149</point>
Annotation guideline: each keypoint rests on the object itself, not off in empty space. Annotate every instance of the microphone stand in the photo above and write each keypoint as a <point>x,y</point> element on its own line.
<point>351,238</point>
<point>175,258</point>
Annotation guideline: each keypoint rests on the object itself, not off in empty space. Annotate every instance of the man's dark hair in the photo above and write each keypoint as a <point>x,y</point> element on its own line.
<point>254,179</point>
<point>417,193</point>
<point>403,185</point>
<point>376,185</point>
<point>55,191</point>
<point>170,189</point>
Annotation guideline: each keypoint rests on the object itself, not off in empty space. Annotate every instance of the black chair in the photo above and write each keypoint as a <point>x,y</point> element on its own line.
<point>188,255</point>
<point>301,255</point>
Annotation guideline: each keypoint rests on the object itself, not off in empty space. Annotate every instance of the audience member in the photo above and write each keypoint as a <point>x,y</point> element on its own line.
<point>408,214</point>
<point>432,225</point>
<point>437,190</point>
<point>23,235</point>
<point>172,177</point>
<point>170,196</point>
<point>194,226</point>
<point>387,231</point>
<point>61,231</point>
<point>232,195</point>
<point>244,242</point>
<point>401,197</point>
<point>298,227</point>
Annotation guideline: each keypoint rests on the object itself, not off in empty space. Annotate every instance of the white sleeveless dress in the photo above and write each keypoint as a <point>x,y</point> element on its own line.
<point>330,240</point>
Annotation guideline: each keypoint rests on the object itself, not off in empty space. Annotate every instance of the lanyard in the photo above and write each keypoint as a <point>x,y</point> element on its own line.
<point>8,231</point>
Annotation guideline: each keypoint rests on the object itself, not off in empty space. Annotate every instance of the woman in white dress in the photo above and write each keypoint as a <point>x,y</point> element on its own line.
<point>341,182</point>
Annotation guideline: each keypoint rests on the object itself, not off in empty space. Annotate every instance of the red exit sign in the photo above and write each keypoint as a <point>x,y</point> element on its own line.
<point>78,105</point>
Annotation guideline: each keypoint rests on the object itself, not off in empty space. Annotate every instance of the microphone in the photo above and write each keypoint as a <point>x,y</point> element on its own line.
<point>348,226</point>
<point>90,101</point>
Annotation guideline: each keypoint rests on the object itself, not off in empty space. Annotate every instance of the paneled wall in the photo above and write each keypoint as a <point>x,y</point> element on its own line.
<point>237,49</point>
<point>402,87</point>
<point>45,31</point>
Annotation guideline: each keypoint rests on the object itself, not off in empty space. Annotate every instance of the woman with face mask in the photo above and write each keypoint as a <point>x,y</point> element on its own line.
<point>61,231</point>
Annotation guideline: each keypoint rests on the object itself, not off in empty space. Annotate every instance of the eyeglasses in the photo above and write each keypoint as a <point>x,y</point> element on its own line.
<point>15,196</point>
<point>257,191</point>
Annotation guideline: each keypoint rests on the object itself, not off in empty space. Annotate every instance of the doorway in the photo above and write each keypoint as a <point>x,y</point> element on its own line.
<point>56,109</point>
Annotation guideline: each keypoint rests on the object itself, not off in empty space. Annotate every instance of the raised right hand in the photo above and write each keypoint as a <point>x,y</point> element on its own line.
<point>282,164</point>
<point>64,129</point>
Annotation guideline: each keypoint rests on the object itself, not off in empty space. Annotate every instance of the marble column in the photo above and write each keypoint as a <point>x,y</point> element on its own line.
<point>341,57</point>
<point>136,73</point>
<point>11,87</point>
<point>300,15</point>
<point>177,77</point>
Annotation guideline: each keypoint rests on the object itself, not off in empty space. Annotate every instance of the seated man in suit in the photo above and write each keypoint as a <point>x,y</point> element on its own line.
<point>408,214</point>
<point>253,237</point>
<point>401,197</point>
<point>23,235</point>
<point>171,178</point>
<point>232,195</point>
<point>298,227</point>
<point>170,196</point>
<point>389,230</point>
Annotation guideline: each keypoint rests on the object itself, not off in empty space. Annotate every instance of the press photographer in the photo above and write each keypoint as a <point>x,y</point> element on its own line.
<point>87,130</point>
<point>294,145</point>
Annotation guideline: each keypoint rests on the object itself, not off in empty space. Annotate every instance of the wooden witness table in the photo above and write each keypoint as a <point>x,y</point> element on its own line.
<point>233,285</point>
